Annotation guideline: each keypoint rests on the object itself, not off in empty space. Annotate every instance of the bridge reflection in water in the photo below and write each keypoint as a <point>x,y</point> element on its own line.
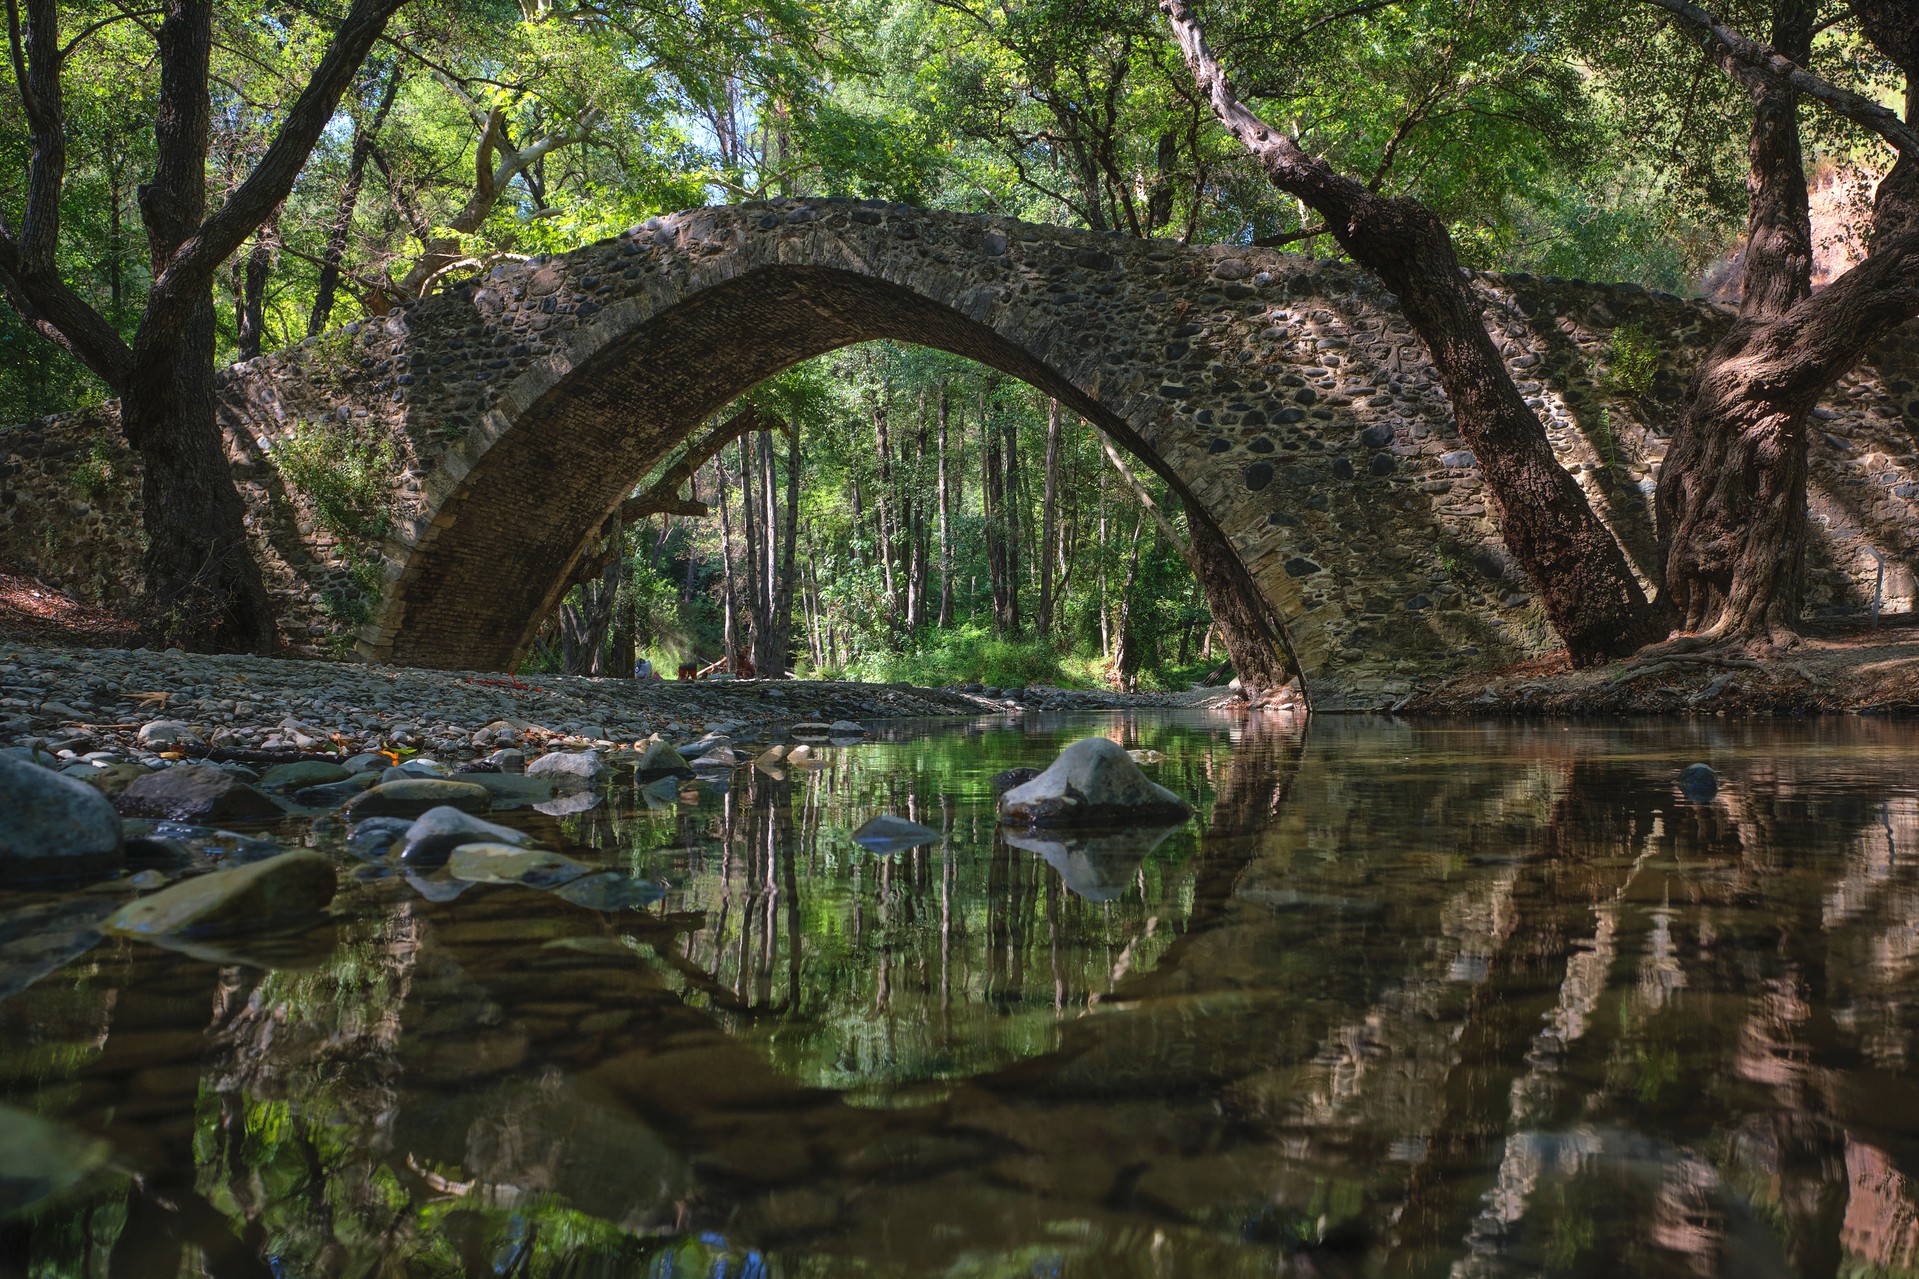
<point>1478,1001</point>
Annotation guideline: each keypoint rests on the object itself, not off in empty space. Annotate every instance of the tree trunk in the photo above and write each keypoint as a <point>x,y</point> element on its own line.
<point>1731,500</point>
<point>882,501</point>
<point>729,632</point>
<point>946,528</point>
<point>333,258</point>
<point>1582,577</point>
<point>250,294</point>
<point>1240,614</point>
<point>1048,525</point>
<point>783,601</point>
<point>203,588</point>
<point>1126,648</point>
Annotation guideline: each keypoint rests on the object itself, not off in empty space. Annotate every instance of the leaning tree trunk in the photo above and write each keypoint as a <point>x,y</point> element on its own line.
<point>1732,495</point>
<point>1731,500</point>
<point>204,589</point>
<point>1576,565</point>
<point>1240,614</point>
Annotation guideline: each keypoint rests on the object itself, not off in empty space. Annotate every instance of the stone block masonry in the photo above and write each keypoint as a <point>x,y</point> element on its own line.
<point>1286,398</point>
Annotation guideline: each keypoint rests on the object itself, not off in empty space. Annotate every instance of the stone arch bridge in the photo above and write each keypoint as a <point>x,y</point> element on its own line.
<point>1284,398</point>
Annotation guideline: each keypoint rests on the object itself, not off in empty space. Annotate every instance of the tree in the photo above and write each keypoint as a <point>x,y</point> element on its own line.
<point>1588,590</point>
<point>202,583</point>
<point>1732,493</point>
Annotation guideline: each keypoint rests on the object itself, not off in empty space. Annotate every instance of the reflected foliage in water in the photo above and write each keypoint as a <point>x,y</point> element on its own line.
<point>1400,1000</point>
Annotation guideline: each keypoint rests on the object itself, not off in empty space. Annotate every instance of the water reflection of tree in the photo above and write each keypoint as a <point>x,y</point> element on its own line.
<point>1345,1018</point>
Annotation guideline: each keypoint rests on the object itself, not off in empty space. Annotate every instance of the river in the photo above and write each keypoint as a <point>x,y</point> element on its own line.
<point>1403,999</point>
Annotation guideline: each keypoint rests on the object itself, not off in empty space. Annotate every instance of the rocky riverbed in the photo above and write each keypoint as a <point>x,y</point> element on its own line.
<point>149,705</point>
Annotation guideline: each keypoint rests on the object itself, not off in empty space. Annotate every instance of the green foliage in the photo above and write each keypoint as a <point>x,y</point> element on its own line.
<point>968,654</point>
<point>1633,361</point>
<point>93,474</point>
<point>348,480</point>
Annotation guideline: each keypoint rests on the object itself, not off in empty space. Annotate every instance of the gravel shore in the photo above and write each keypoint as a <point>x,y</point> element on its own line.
<point>101,699</point>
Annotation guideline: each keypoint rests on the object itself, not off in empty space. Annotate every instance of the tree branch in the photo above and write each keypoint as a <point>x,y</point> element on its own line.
<point>1755,65</point>
<point>191,268</point>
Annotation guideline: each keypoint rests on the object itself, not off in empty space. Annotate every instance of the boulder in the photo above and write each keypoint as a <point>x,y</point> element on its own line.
<point>1007,780</point>
<point>1092,783</point>
<point>661,760</point>
<point>435,833</point>
<point>511,864</point>
<point>568,803</point>
<point>580,768</point>
<point>195,793</point>
<point>307,772</point>
<point>413,796</point>
<point>53,827</point>
<point>770,756</point>
<point>802,756</point>
<point>164,734</point>
<point>812,731</point>
<point>291,889</point>
<point>373,838</point>
<point>845,728</point>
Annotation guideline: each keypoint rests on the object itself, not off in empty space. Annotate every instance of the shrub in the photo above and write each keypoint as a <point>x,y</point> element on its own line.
<point>93,474</point>
<point>1633,361</point>
<point>348,480</point>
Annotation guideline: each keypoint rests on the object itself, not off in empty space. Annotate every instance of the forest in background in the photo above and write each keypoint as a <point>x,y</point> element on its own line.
<point>906,515</point>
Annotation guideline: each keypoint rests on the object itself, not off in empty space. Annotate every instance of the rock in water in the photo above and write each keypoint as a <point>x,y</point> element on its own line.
<point>290,889</point>
<point>510,864</point>
<point>307,772</point>
<point>196,793</point>
<point>1699,783</point>
<point>414,796</point>
<point>579,768</point>
<point>661,760</point>
<point>1092,783</point>
<point>889,834</point>
<point>1003,782</point>
<point>438,831</point>
<point>53,827</point>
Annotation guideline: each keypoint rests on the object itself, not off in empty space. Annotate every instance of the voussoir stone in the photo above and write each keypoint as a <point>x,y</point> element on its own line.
<point>195,793</point>
<point>53,827</point>
<point>1092,783</point>
<point>289,889</point>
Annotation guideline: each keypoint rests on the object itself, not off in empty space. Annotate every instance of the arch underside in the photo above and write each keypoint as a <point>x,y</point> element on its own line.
<point>503,542</point>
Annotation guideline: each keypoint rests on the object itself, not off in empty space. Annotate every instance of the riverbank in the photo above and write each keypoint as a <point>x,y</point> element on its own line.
<point>88,699</point>
<point>1852,670</point>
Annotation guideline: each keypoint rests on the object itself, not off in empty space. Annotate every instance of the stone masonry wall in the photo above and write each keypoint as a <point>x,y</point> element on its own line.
<point>1286,398</point>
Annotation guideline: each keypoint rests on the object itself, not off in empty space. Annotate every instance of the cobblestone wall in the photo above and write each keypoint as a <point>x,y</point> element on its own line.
<point>1287,398</point>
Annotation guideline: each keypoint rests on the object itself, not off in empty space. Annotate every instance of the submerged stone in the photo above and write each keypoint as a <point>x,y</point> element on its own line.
<point>1699,783</point>
<point>1092,783</point>
<point>307,772</point>
<point>658,760</point>
<point>611,892</point>
<point>511,864</point>
<point>414,796</point>
<point>889,834</point>
<point>290,889</point>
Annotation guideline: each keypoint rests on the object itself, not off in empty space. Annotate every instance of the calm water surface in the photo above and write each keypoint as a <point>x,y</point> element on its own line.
<point>1423,1001</point>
